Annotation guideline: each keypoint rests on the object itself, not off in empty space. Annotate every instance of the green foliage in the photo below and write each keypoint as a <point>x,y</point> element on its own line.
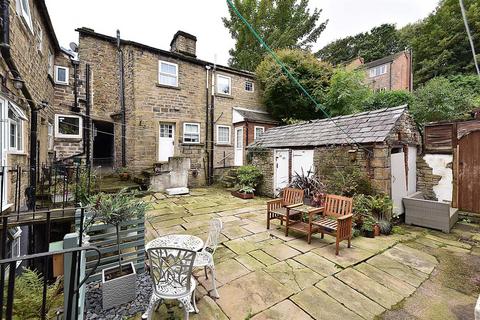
<point>248,178</point>
<point>308,182</point>
<point>281,96</point>
<point>361,205</point>
<point>246,189</point>
<point>380,206</point>
<point>28,296</point>
<point>281,23</point>
<point>347,92</point>
<point>349,181</point>
<point>385,227</point>
<point>368,224</point>
<point>87,183</point>
<point>441,99</point>
<point>379,42</point>
<point>387,99</point>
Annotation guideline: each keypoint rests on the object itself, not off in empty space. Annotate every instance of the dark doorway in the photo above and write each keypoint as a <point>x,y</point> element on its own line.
<point>103,143</point>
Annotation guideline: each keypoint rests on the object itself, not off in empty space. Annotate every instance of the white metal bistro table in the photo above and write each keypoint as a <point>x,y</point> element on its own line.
<point>181,241</point>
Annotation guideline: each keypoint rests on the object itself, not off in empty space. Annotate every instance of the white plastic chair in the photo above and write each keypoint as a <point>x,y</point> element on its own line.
<point>204,258</point>
<point>171,272</point>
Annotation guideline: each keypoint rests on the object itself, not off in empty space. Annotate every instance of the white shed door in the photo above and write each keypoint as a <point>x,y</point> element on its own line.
<point>280,170</point>
<point>166,141</point>
<point>302,162</point>
<point>412,170</point>
<point>399,181</point>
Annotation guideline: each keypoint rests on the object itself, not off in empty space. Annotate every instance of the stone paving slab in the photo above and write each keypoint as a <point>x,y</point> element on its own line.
<point>235,232</point>
<point>346,257</point>
<point>375,245</point>
<point>229,270</point>
<point>263,257</point>
<point>255,227</point>
<point>318,264</point>
<point>251,294</point>
<point>241,245</point>
<point>386,279</point>
<point>249,262</point>
<point>293,274</point>
<point>449,242</point>
<point>367,286</point>
<point>303,246</point>
<point>350,298</point>
<point>393,267</point>
<point>280,251</point>
<point>321,306</point>
<point>412,257</point>
<point>282,311</point>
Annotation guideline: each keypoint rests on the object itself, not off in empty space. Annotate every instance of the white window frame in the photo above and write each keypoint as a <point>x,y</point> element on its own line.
<point>167,74</point>
<point>229,85</point>
<point>66,75</point>
<point>229,135</point>
<point>183,133</point>
<point>50,62</point>
<point>39,36</point>
<point>255,131</point>
<point>378,71</point>
<point>25,13</point>
<point>253,86</point>
<point>19,126</point>
<point>58,134</point>
<point>14,235</point>
<point>50,133</point>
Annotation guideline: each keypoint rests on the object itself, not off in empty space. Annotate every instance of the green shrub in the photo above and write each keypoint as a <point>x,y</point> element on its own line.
<point>380,206</point>
<point>248,177</point>
<point>349,181</point>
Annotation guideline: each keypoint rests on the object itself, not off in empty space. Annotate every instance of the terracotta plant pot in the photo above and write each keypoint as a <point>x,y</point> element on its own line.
<point>376,230</point>
<point>124,176</point>
<point>243,195</point>
<point>369,234</point>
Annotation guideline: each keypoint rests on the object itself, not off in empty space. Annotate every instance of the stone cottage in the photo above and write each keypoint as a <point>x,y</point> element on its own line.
<point>382,143</point>
<point>150,106</point>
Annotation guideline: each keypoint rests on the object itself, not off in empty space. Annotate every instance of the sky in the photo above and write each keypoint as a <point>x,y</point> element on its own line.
<point>155,22</point>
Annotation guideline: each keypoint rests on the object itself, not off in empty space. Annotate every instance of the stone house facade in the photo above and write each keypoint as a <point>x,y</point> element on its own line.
<point>175,105</point>
<point>393,72</point>
<point>381,143</point>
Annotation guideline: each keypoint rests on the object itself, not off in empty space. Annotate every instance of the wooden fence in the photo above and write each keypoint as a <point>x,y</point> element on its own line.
<point>132,246</point>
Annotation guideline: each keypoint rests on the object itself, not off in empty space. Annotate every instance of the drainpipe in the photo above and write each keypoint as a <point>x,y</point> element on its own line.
<point>6,55</point>
<point>391,63</point>
<point>87,113</point>
<point>212,116</point>
<point>122,99</point>
<point>410,75</point>
<point>207,69</point>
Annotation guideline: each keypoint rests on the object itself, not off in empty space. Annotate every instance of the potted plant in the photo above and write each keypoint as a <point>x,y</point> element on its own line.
<point>368,227</point>
<point>311,185</point>
<point>123,173</point>
<point>114,209</point>
<point>248,178</point>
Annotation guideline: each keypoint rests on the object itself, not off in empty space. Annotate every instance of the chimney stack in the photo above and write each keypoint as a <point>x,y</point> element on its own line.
<point>184,43</point>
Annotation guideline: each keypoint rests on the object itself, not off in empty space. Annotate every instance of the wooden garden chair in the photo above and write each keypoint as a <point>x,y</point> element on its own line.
<point>336,220</point>
<point>280,208</point>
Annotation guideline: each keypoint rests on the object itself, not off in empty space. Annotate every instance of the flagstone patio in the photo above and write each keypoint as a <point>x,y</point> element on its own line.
<point>261,274</point>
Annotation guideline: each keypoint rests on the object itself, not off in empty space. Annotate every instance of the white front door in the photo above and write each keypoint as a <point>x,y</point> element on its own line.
<point>3,151</point>
<point>280,170</point>
<point>238,159</point>
<point>399,181</point>
<point>302,163</point>
<point>166,141</point>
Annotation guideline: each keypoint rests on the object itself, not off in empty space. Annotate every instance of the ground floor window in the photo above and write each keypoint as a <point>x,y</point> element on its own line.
<point>15,128</point>
<point>67,126</point>
<point>258,132</point>
<point>191,133</point>
<point>223,134</point>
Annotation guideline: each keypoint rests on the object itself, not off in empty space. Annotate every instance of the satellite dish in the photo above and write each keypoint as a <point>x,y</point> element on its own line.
<point>73,46</point>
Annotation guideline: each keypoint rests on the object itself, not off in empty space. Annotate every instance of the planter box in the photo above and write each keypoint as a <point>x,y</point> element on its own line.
<point>243,195</point>
<point>119,290</point>
<point>428,213</point>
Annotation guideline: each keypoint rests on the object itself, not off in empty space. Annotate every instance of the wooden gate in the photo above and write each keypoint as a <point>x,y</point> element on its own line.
<point>469,172</point>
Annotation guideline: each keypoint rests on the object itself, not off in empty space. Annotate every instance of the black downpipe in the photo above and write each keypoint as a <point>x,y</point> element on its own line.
<point>87,115</point>
<point>212,124</point>
<point>122,99</point>
<point>6,55</point>
<point>206,122</point>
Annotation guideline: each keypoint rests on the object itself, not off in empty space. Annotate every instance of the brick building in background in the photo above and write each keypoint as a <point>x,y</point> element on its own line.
<point>150,106</point>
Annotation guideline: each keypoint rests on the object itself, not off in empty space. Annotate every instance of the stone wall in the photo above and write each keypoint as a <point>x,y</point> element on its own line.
<point>435,176</point>
<point>263,159</point>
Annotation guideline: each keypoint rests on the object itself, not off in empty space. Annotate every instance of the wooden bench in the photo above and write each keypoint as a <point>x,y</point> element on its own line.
<point>336,220</point>
<point>280,208</point>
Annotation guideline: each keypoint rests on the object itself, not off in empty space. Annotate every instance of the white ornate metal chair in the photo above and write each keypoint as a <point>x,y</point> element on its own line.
<point>171,272</point>
<point>204,258</point>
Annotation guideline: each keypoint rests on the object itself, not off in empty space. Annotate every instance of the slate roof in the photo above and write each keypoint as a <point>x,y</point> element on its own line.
<point>365,127</point>
<point>382,61</point>
<point>255,116</point>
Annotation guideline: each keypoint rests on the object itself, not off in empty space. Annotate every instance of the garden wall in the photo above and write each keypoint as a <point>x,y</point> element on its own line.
<point>263,160</point>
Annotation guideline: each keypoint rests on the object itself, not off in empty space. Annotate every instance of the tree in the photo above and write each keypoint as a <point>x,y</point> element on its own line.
<point>379,42</point>
<point>388,99</point>
<point>281,96</point>
<point>347,92</point>
<point>282,23</point>
<point>441,99</point>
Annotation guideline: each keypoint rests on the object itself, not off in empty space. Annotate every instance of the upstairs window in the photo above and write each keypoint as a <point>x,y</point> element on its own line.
<point>258,132</point>
<point>191,133</point>
<point>68,126</point>
<point>15,128</point>
<point>249,86</point>
<point>167,73</point>
<point>61,75</point>
<point>224,85</point>
<point>23,8</point>
<point>50,63</point>
<point>223,134</point>
<point>378,71</point>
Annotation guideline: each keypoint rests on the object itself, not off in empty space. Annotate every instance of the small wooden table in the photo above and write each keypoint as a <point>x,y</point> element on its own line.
<point>300,225</point>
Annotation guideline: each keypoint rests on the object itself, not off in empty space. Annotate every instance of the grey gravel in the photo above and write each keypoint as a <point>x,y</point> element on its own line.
<point>94,310</point>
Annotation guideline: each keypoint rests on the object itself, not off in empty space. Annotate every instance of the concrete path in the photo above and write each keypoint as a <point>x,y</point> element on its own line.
<point>261,274</point>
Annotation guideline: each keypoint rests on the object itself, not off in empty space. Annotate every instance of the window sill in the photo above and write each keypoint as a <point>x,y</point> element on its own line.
<point>18,153</point>
<point>5,207</point>
<point>221,95</point>
<point>191,144</point>
<point>61,83</point>
<point>167,86</point>
<point>67,138</point>
<point>223,144</point>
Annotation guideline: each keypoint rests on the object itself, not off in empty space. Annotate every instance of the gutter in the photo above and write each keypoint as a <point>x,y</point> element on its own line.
<point>122,98</point>
<point>6,55</point>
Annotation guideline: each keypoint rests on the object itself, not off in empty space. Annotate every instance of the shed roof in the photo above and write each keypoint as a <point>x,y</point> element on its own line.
<point>365,127</point>
<point>255,116</point>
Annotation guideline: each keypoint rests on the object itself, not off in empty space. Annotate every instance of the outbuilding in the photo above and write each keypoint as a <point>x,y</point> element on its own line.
<point>382,143</point>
